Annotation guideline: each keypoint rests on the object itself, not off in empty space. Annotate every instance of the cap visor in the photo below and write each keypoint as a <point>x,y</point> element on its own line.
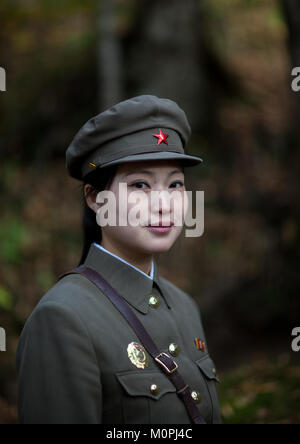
<point>184,158</point>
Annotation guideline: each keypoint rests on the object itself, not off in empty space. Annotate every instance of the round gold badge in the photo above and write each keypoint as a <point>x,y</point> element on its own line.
<point>137,355</point>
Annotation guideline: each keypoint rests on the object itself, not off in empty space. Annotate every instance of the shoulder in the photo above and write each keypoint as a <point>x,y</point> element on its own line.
<point>59,317</point>
<point>65,302</point>
<point>72,292</point>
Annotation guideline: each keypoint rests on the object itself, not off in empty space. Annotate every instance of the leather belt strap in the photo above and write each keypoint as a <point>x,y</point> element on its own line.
<point>164,361</point>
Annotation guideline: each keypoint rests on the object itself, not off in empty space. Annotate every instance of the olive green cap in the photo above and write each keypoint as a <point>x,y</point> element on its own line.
<point>138,129</point>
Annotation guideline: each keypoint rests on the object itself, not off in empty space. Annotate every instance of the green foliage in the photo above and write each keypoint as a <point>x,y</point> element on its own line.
<point>6,299</point>
<point>8,174</point>
<point>12,238</point>
<point>46,47</point>
<point>45,279</point>
<point>264,391</point>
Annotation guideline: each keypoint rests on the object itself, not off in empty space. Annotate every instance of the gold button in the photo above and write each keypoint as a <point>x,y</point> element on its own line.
<point>196,396</point>
<point>153,301</point>
<point>174,349</point>
<point>154,389</point>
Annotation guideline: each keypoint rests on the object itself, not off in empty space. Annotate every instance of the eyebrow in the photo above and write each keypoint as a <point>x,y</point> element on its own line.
<point>150,172</point>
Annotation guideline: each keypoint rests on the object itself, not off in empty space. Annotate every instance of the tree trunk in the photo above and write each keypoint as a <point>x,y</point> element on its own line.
<point>163,56</point>
<point>109,56</point>
<point>291,9</point>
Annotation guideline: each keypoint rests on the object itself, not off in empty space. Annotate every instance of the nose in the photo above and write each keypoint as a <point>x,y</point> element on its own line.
<point>161,202</point>
<point>161,210</point>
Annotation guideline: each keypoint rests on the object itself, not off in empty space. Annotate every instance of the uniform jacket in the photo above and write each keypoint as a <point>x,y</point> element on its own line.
<point>72,360</point>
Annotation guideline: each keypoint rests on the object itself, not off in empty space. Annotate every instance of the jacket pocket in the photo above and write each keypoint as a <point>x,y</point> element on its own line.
<point>208,368</point>
<point>145,396</point>
<point>140,383</point>
<point>208,371</point>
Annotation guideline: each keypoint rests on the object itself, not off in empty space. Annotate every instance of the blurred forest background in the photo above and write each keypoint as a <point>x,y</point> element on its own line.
<point>228,64</point>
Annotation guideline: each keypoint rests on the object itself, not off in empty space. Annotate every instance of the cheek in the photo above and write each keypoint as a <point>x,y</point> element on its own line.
<point>136,210</point>
<point>185,203</point>
<point>177,231</point>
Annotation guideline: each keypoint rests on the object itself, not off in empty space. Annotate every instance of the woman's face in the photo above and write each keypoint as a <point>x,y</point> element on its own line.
<point>168,210</point>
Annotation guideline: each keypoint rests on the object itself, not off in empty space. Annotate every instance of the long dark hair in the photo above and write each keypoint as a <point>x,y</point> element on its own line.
<point>99,179</point>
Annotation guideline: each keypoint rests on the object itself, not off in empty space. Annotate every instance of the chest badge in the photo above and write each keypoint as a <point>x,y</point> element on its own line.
<point>200,345</point>
<point>138,355</point>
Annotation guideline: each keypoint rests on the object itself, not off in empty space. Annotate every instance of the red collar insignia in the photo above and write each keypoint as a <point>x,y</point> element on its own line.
<point>161,137</point>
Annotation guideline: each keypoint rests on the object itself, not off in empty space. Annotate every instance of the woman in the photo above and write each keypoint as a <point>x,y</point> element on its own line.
<point>79,360</point>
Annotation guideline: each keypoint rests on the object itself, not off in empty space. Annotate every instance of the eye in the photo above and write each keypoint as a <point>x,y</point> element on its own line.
<point>139,185</point>
<point>179,184</point>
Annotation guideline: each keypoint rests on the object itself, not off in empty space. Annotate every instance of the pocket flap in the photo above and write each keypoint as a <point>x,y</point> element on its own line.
<point>139,383</point>
<point>207,366</point>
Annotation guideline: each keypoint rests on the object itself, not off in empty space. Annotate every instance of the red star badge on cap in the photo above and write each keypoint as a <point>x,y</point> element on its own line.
<point>161,137</point>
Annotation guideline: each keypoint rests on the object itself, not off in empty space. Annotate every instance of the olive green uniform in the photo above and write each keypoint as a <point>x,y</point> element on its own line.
<point>72,357</point>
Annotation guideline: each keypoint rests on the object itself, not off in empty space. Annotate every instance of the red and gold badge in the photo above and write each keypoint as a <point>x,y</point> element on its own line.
<point>200,345</point>
<point>137,355</point>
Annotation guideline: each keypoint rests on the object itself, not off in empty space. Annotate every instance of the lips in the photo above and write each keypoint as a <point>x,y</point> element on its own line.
<point>161,227</point>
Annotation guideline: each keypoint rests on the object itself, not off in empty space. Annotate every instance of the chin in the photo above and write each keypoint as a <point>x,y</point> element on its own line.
<point>155,243</point>
<point>159,246</point>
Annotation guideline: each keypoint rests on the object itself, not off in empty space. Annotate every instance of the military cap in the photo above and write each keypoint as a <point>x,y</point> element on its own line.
<point>142,128</point>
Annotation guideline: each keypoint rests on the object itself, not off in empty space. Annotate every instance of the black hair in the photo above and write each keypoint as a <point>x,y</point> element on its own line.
<point>99,179</point>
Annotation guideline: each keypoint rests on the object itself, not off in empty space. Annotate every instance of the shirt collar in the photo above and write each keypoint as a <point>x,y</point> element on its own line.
<point>123,260</point>
<point>129,282</point>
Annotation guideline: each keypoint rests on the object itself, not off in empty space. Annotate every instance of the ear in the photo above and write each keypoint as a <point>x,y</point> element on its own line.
<point>90,197</point>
